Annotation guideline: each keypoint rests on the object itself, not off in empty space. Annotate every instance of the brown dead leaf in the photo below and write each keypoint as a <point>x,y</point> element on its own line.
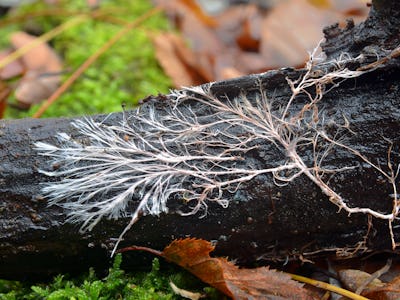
<point>43,71</point>
<point>202,39</point>
<point>246,39</point>
<point>41,57</point>
<point>240,25</point>
<point>178,61</point>
<point>291,30</point>
<point>352,279</point>
<point>197,10</point>
<point>11,70</point>
<point>230,72</point>
<point>35,87</point>
<point>4,92</point>
<point>259,283</point>
<point>351,7</point>
<point>390,291</point>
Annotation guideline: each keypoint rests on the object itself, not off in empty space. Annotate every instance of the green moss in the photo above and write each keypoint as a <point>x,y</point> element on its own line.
<point>125,73</point>
<point>116,285</point>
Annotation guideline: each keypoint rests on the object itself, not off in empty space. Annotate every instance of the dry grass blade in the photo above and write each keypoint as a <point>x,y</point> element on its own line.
<point>328,287</point>
<point>42,39</point>
<point>91,60</point>
<point>105,15</point>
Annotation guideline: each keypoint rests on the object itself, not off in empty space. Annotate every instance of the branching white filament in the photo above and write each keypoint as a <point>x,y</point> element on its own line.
<point>155,156</point>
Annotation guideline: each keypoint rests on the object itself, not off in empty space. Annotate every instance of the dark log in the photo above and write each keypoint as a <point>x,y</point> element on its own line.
<point>263,222</point>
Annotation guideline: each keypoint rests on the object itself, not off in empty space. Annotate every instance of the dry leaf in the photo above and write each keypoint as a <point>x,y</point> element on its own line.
<point>35,87</point>
<point>390,291</point>
<point>245,39</point>
<point>43,75</point>
<point>260,283</point>
<point>353,279</point>
<point>202,39</point>
<point>13,69</point>
<point>351,7</point>
<point>4,92</point>
<point>321,3</point>
<point>41,57</point>
<point>230,72</point>
<point>291,30</point>
<point>198,11</point>
<point>203,42</point>
<point>177,60</point>
<point>240,25</point>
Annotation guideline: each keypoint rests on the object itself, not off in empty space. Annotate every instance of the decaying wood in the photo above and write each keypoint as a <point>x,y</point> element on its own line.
<point>263,221</point>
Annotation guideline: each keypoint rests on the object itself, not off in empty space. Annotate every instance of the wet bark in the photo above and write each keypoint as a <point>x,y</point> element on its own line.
<point>264,222</point>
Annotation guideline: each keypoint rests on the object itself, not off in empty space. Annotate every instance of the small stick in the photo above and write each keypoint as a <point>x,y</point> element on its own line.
<point>395,53</point>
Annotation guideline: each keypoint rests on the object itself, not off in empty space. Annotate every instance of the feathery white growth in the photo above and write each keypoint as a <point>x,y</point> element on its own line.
<point>150,155</point>
<point>155,154</point>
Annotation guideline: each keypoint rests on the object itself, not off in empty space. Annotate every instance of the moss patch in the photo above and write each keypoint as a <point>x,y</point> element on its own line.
<point>116,285</point>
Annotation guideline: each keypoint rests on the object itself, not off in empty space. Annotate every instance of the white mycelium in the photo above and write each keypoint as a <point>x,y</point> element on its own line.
<point>135,168</point>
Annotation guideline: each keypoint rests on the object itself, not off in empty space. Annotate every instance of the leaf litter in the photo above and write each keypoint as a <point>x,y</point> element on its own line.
<point>237,283</point>
<point>245,39</point>
<point>264,283</point>
<point>239,40</point>
<point>43,70</point>
<point>40,69</point>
